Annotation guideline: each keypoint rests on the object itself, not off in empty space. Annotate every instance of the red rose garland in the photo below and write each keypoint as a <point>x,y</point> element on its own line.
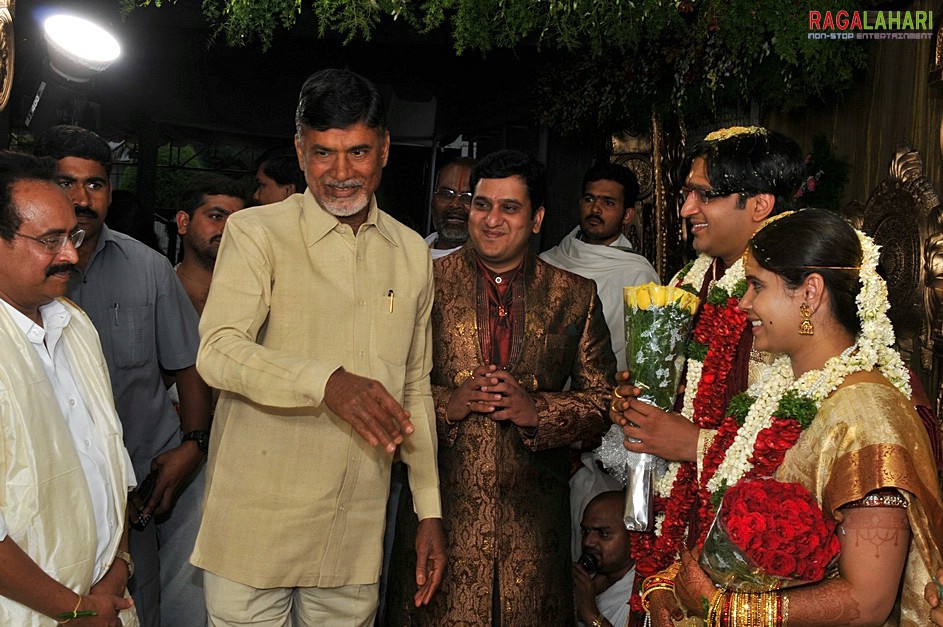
<point>726,325</point>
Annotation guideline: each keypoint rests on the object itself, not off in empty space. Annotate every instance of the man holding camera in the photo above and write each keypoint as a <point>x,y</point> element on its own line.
<point>602,579</point>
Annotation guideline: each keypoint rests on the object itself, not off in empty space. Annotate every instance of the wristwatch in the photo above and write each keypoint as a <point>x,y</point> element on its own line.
<point>125,557</point>
<point>202,439</point>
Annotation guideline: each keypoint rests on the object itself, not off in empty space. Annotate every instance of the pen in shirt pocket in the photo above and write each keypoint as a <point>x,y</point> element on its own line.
<point>391,300</point>
<point>116,313</point>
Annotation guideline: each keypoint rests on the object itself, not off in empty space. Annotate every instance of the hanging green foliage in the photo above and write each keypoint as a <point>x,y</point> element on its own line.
<point>609,61</point>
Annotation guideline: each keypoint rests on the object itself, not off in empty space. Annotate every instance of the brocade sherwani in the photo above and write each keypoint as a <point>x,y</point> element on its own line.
<point>505,497</point>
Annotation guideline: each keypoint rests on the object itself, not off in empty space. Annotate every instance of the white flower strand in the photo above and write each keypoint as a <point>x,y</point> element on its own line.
<point>873,348</point>
<point>695,278</point>
<point>732,276</point>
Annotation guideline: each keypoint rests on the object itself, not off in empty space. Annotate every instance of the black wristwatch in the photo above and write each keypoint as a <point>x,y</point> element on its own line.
<point>202,439</point>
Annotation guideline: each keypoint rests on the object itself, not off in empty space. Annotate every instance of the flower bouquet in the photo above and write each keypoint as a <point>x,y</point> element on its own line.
<point>768,535</point>
<point>657,324</point>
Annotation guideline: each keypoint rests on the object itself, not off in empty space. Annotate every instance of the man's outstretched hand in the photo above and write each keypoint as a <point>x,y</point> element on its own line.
<point>369,408</point>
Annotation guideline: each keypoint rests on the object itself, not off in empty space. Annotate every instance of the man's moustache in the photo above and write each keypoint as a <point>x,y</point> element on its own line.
<point>344,184</point>
<point>457,215</point>
<point>61,267</point>
<point>85,211</point>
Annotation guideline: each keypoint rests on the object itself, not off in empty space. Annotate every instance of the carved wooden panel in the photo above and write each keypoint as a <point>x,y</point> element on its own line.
<point>891,218</point>
<point>905,217</point>
<point>7,49</point>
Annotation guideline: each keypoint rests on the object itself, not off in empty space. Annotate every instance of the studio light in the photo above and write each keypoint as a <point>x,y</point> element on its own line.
<point>78,50</point>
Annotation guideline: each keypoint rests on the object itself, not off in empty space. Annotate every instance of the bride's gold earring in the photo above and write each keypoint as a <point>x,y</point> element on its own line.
<point>806,327</point>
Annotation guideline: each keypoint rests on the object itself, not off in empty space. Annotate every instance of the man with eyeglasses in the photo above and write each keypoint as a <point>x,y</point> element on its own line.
<point>147,325</point>
<point>737,178</point>
<point>64,469</point>
<point>450,202</point>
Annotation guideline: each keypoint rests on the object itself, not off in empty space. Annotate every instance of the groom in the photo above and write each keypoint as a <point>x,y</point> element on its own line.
<point>737,178</point>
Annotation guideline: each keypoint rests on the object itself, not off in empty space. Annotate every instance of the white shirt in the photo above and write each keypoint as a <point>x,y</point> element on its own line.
<point>613,267</point>
<point>613,602</point>
<point>52,354</point>
<point>431,239</point>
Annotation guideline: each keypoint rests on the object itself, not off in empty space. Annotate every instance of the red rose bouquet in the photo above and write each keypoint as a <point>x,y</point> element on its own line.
<point>768,535</point>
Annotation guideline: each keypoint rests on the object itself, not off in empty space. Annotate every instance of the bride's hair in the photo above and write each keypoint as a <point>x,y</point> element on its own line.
<point>814,241</point>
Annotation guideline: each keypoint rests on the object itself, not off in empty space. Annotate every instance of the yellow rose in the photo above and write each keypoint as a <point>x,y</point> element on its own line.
<point>679,295</point>
<point>659,295</point>
<point>630,301</point>
<point>643,297</point>
<point>689,301</point>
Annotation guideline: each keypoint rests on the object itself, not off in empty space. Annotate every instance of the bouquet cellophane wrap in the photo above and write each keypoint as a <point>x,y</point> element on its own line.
<point>657,326</point>
<point>768,536</point>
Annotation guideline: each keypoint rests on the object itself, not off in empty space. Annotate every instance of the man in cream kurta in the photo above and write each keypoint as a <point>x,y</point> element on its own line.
<point>63,465</point>
<point>316,330</point>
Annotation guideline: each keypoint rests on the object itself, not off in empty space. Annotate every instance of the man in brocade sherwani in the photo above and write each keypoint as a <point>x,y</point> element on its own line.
<point>508,331</point>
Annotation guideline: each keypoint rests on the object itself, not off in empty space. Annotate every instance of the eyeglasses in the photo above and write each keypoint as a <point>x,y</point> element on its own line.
<point>55,243</point>
<point>446,195</point>
<point>704,196</point>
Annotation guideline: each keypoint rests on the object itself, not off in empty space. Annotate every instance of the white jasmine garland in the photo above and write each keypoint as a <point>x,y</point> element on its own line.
<point>732,276</point>
<point>695,279</point>
<point>695,368</point>
<point>698,272</point>
<point>659,521</point>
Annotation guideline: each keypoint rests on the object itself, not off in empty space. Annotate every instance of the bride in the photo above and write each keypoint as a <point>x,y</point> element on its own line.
<point>815,298</point>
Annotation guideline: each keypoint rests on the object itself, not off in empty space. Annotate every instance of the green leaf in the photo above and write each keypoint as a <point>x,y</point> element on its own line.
<point>718,495</point>
<point>684,272</point>
<point>608,65</point>
<point>797,407</point>
<point>740,406</point>
<point>740,289</point>
<point>717,296</point>
<point>697,350</point>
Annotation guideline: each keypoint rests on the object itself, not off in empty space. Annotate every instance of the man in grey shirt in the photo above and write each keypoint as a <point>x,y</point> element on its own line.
<point>146,324</point>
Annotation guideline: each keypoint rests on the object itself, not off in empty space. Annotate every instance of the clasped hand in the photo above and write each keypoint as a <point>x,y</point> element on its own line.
<point>496,393</point>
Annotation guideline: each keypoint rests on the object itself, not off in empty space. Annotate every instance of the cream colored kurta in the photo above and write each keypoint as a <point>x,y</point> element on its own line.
<point>294,496</point>
<point>865,437</point>
<point>44,495</point>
